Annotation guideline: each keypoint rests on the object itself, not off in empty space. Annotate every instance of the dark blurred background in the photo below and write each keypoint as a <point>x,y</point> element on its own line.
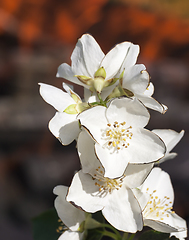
<point>36,36</point>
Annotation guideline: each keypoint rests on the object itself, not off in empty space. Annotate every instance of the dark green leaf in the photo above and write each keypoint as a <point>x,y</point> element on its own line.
<point>44,226</point>
<point>151,234</point>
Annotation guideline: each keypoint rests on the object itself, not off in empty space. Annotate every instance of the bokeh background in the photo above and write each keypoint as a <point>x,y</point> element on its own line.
<point>36,36</point>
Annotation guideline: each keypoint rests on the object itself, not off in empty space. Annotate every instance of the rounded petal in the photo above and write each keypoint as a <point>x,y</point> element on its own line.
<point>92,53</point>
<point>70,216</point>
<point>170,137</point>
<point>128,110</point>
<point>136,174</point>
<point>55,97</point>
<point>65,71</point>
<point>65,127</point>
<point>89,96</point>
<point>123,211</point>
<point>180,223</point>
<point>136,79</point>
<point>78,62</point>
<point>71,235</point>
<point>85,146</point>
<point>150,90</point>
<point>114,59</point>
<point>114,163</point>
<point>159,226</point>
<point>84,194</point>
<point>144,147</point>
<point>151,103</point>
<point>131,57</point>
<point>160,182</point>
<point>94,120</point>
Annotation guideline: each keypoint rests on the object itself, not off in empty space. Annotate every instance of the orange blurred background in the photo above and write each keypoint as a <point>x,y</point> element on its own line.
<point>36,36</point>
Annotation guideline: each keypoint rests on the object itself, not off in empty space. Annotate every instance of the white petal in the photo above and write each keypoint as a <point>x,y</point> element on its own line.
<point>170,137</point>
<point>65,71</point>
<point>180,223</point>
<point>85,146</point>
<point>78,62</point>
<point>55,97</point>
<point>85,194</point>
<point>70,216</point>
<point>145,147</point>
<point>94,120</point>
<point>150,90</point>
<point>70,90</point>
<point>136,79</point>
<point>128,110</point>
<point>151,103</point>
<point>123,211</point>
<point>114,163</point>
<point>114,59</point>
<point>159,226</point>
<point>65,127</point>
<point>136,174</point>
<point>92,53</point>
<point>131,57</point>
<point>142,197</point>
<point>89,96</point>
<point>71,235</point>
<point>160,181</point>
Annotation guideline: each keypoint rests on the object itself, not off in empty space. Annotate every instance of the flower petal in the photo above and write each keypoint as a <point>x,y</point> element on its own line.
<point>78,62</point>
<point>65,127</point>
<point>128,110</point>
<point>160,181</point>
<point>85,146</point>
<point>123,211</point>
<point>94,120</point>
<point>131,57</point>
<point>151,103</point>
<point>145,147</point>
<point>84,194</point>
<point>92,53</point>
<point>150,90</point>
<point>55,97</point>
<point>180,223</point>
<point>70,216</point>
<point>136,174</point>
<point>159,226</point>
<point>71,235</point>
<point>114,59</point>
<point>136,79</point>
<point>65,71</point>
<point>170,137</point>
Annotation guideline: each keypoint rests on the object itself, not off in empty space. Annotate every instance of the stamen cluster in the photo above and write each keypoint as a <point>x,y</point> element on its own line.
<point>117,136</point>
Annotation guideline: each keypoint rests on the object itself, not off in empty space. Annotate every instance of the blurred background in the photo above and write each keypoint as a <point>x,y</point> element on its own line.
<point>36,36</point>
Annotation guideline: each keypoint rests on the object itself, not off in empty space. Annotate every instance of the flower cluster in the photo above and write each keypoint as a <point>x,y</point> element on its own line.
<point>116,151</point>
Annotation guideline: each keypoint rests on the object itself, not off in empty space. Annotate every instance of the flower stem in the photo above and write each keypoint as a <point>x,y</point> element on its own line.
<point>101,101</point>
<point>131,236</point>
<point>125,235</point>
<point>113,229</point>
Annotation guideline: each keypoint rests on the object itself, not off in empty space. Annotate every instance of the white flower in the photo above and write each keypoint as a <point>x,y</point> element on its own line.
<point>156,198</point>
<point>91,68</point>
<point>63,126</point>
<point>120,137</point>
<point>70,216</point>
<point>170,138</point>
<point>94,192</point>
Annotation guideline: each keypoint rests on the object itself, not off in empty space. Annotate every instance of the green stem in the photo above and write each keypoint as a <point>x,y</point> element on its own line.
<point>113,229</point>
<point>131,236</point>
<point>110,234</point>
<point>125,236</point>
<point>101,101</point>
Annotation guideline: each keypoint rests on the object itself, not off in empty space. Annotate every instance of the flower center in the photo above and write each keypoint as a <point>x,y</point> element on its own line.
<point>105,184</point>
<point>117,136</point>
<point>157,208</point>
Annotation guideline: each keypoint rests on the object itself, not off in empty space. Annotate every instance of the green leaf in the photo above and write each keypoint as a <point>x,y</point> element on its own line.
<point>44,226</point>
<point>151,234</point>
